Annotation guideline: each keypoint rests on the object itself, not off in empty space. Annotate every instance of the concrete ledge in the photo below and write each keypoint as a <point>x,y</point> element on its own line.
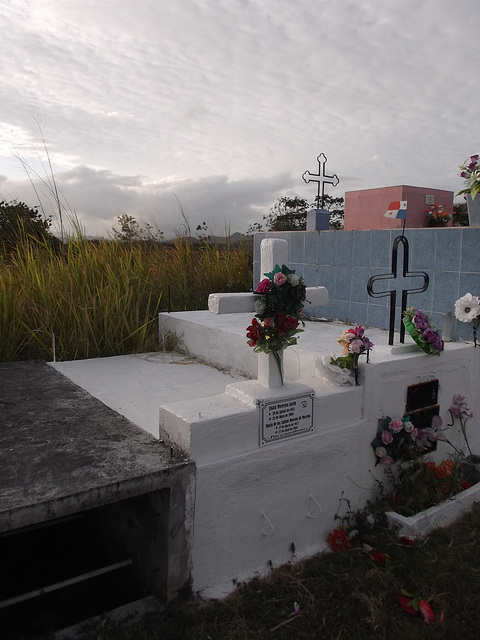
<point>231,303</point>
<point>440,515</point>
<point>222,303</point>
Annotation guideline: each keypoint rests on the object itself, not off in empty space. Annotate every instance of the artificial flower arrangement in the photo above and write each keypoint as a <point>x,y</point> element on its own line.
<point>417,484</point>
<point>470,171</point>
<point>418,326</point>
<point>438,215</point>
<point>399,440</point>
<point>354,343</point>
<point>467,309</point>
<point>279,303</point>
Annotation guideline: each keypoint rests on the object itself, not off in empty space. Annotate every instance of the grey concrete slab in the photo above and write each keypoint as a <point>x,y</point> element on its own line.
<point>63,451</point>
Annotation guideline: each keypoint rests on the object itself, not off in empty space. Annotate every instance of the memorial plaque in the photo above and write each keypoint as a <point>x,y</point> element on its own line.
<point>286,418</point>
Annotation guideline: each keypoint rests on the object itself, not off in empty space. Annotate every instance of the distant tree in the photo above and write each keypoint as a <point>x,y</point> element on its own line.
<point>336,207</point>
<point>290,214</point>
<point>133,231</point>
<point>18,220</point>
<point>460,219</point>
<point>256,227</point>
<point>202,232</point>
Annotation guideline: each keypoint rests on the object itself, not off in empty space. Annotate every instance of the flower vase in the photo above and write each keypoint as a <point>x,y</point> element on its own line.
<point>473,206</point>
<point>270,369</point>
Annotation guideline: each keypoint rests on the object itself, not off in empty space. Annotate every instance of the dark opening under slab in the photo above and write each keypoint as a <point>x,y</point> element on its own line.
<point>70,464</point>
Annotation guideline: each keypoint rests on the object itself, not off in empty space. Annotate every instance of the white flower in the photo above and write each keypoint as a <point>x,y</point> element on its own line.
<point>293,279</point>
<point>467,308</point>
<point>408,426</point>
<point>380,452</point>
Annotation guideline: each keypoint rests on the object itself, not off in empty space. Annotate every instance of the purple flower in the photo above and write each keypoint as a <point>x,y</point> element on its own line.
<point>366,343</point>
<point>429,335</point>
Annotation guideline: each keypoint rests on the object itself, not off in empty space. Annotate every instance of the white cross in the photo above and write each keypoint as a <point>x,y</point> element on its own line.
<point>273,251</point>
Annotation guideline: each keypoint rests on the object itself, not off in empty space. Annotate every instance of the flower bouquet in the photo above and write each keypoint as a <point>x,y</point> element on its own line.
<point>354,343</point>
<point>467,309</point>
<point>437,215</point>
<point>470,170</point>
<point>418,326</point>
<point>279,303</point>
<point>418,484</point>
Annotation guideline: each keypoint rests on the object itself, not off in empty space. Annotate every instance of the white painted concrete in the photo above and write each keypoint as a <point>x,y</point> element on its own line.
<point>441,515</point>
<point>253,502</point>
<point>136,386</point>
<point>245,302</point>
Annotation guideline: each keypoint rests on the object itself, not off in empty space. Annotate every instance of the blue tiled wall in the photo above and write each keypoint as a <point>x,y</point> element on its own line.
<point>343,261</point>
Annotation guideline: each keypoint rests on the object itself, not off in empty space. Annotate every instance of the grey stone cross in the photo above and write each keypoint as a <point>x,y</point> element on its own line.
<point>321,178</point>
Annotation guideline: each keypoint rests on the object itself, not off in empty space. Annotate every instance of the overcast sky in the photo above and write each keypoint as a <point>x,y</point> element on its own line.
<point>218,107</point>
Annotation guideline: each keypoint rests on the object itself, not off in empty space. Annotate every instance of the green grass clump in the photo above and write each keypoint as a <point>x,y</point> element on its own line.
<point>103,298</point>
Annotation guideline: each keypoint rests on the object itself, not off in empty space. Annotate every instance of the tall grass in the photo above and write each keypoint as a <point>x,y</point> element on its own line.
<point>102,299</point>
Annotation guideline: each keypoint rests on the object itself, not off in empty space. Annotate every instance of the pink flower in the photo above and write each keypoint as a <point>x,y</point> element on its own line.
<point>279,278</point>
<point>387,437</point>
<point>356,346</point>
<point>395,425</point>
<point>426,611</point>
<point>264,286</point>
<point>414,433</point>
<point>387,461</point>
<point>459,406</point>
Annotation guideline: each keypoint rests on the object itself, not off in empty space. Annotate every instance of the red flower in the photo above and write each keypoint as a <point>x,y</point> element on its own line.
<point>466,485</point>
<point>264,286</point>
<point>286,324</point>
<point>339,540</point>
<point>404,603</point>
<point>254,333</point>
<point>407,541</point>
<point>380,558</point>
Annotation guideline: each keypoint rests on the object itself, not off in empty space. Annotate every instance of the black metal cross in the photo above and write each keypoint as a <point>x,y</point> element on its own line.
<point>393,293</point>
<point>321,178</point>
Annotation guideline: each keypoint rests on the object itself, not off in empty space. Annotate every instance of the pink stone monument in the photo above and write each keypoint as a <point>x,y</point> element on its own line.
<point>365,209</point>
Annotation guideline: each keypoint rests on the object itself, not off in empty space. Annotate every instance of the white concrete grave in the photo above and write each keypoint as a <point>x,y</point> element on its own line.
<point>259,488</point>
<point>257,493</point>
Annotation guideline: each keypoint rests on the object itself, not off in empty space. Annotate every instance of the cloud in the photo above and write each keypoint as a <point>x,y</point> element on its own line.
<point>95,198</point>
<point>212,97</point>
